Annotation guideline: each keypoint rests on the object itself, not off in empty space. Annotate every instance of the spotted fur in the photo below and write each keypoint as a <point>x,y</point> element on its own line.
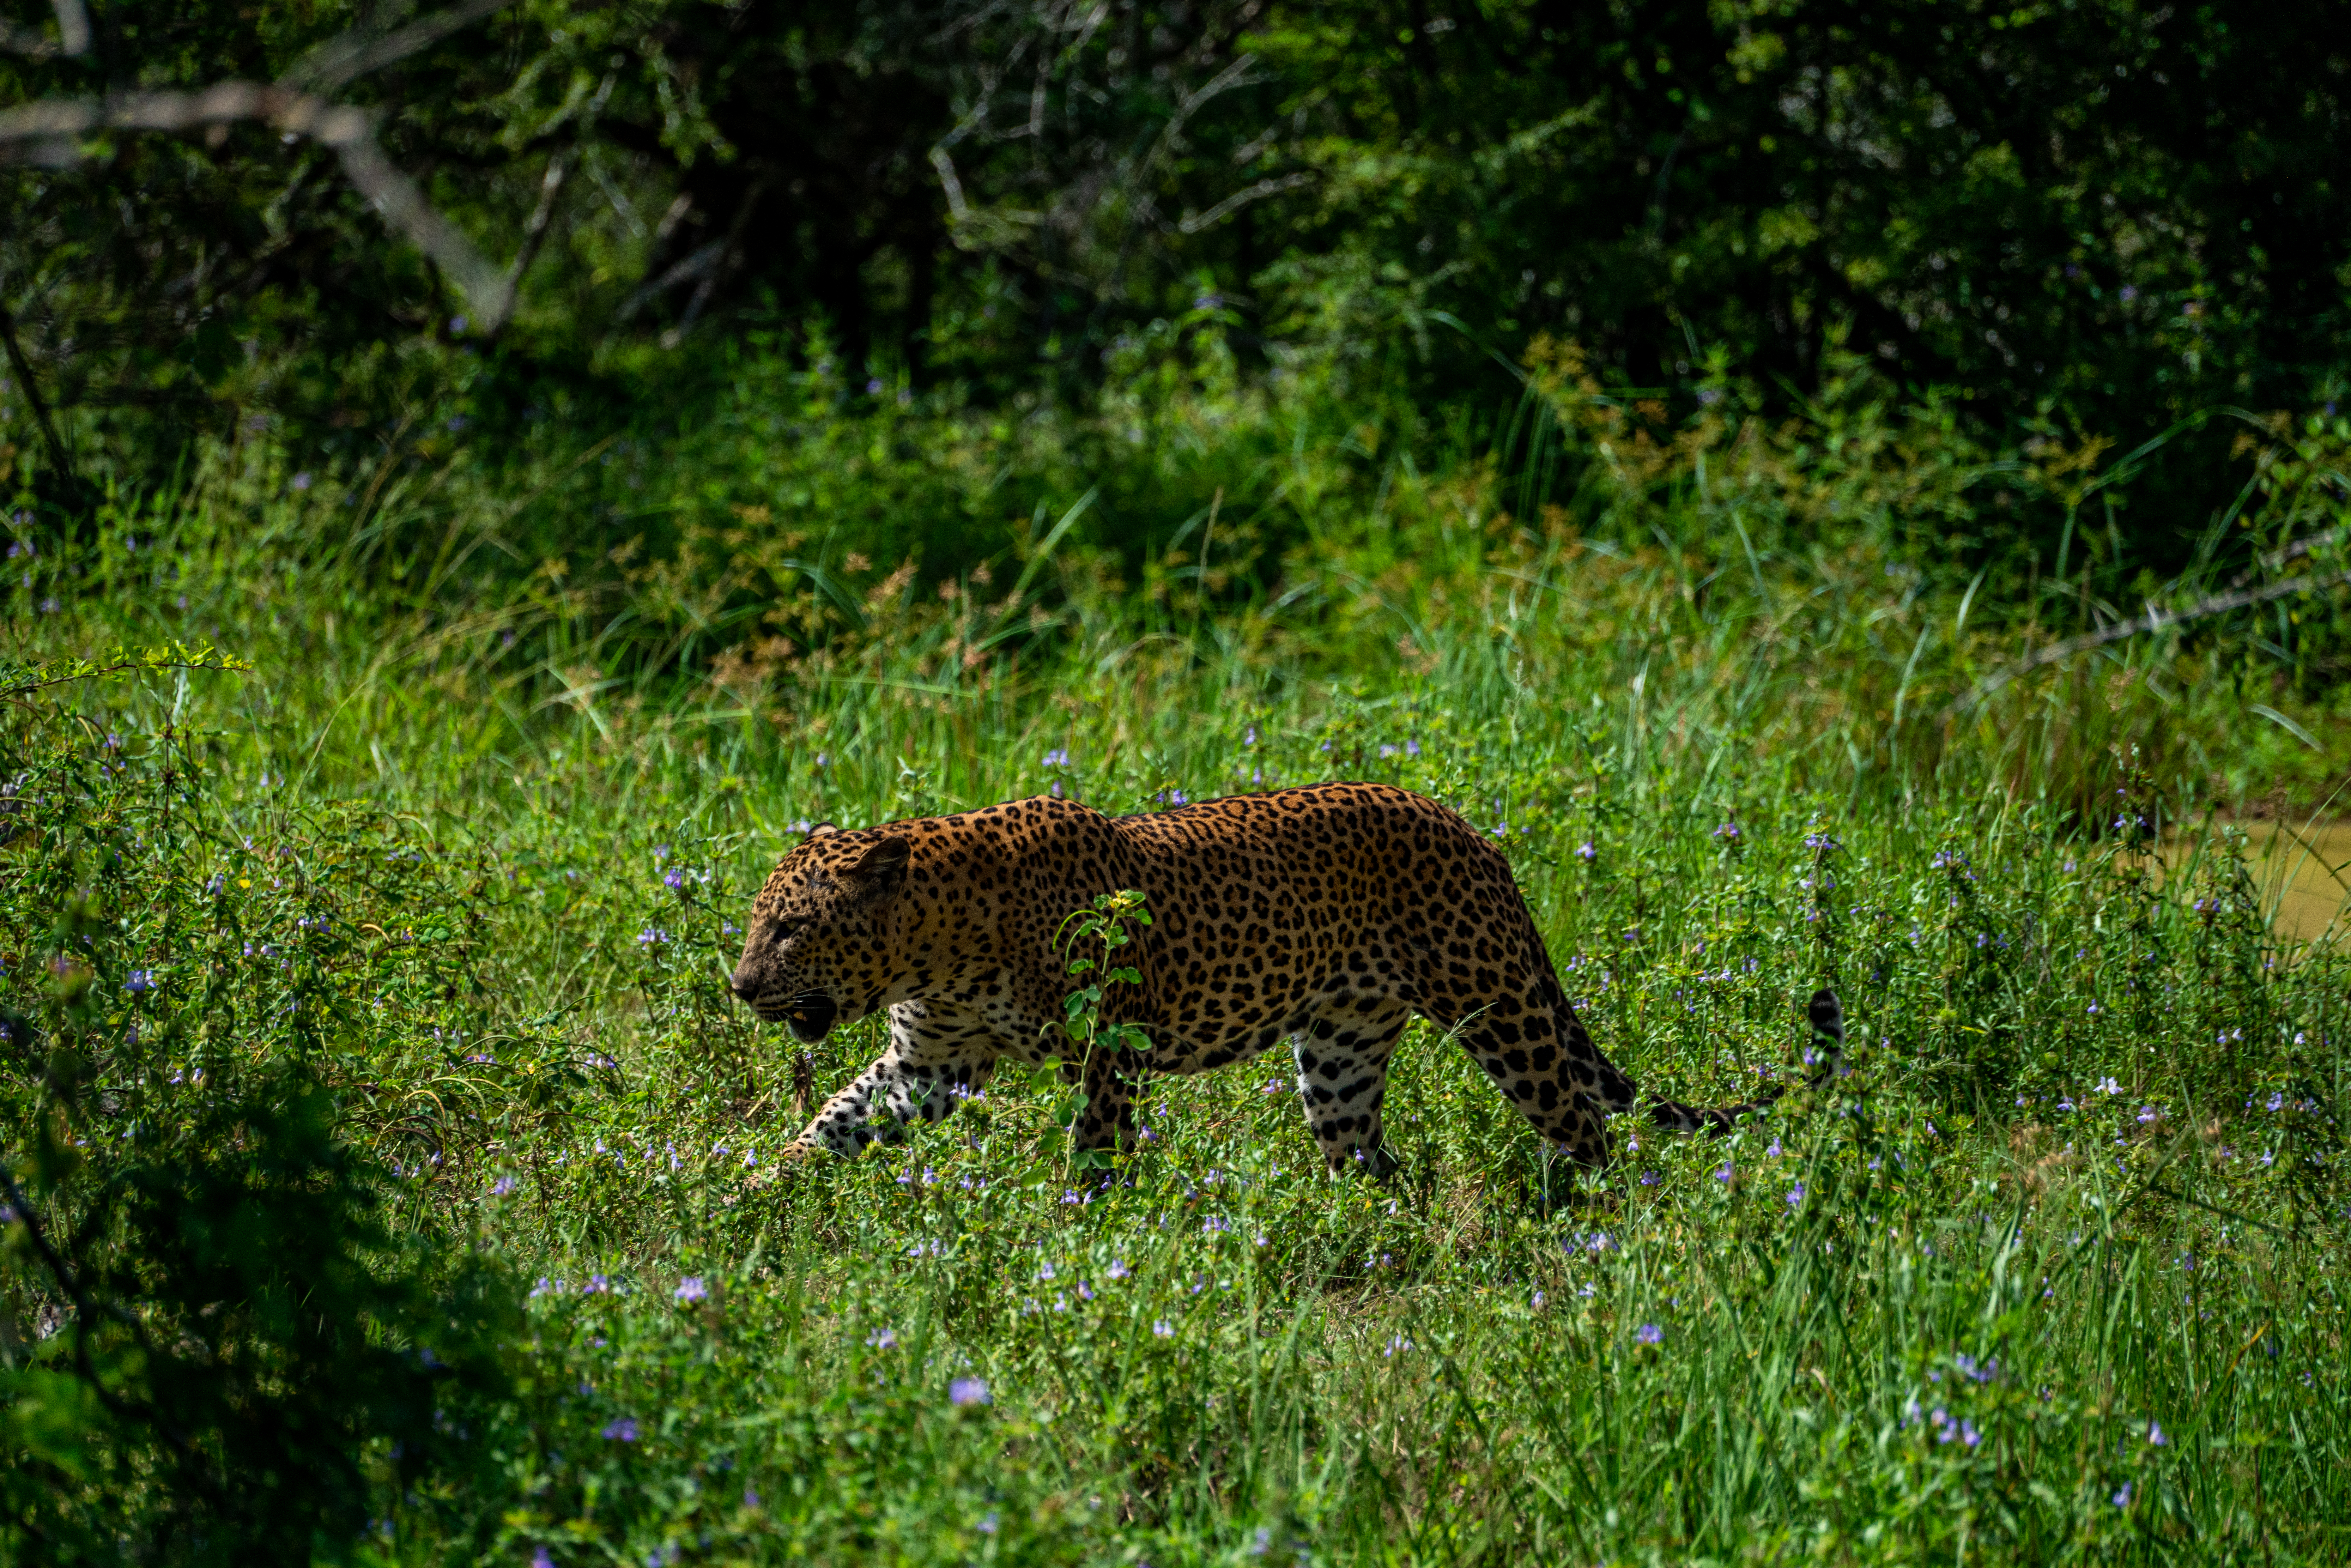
<point>1326,915</point>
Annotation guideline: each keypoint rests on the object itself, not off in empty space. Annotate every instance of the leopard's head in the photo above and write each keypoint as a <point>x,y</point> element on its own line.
<point>818,947</point>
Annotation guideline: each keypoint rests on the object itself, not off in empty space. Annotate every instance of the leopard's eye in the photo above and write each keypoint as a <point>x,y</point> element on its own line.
<point>789,927</point>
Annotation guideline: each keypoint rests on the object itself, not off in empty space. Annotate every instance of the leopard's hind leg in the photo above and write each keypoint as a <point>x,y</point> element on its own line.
<point>1538,1055</point>
<point>1342,1055</point>
<point>1533,1076</point>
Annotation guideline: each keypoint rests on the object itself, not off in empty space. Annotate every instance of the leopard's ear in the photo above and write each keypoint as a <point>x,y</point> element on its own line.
<point>820,831</point>
<point>881,871</point>
<point>882,857</point>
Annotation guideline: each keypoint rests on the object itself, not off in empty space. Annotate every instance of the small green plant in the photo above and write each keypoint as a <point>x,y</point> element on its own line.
<point>19,677</point>
<point>1108,925</point>
<point>1091,938</point>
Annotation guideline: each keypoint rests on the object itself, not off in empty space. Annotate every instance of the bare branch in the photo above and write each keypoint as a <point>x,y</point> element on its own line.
<point>673,215</point>
<point>353,54</point>
<point>296,113</point>
<point>534,234</point>
<point>1229,76</point>
<point>958,209</point>
<point>73,34</point>
<point>701,262</point>
<point>1242,198</point>
<point>973,19</point>
<point>73,27</point>
<point>348,130</point>
<point>729,254</point>
<point>60,458</point>
<point>2155,618</point>
<point>2301,547</point>
<point>404,206</point>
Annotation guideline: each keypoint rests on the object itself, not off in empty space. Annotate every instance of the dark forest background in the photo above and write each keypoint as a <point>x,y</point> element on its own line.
<point>2062,224</point>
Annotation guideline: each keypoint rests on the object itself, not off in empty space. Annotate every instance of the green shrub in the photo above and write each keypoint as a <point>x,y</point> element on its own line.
<point>220,1346</point>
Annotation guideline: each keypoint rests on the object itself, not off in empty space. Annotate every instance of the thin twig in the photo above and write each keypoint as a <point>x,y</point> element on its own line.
<point>49,437</point>
<point>1242,198</point>
<point>116,669</point>
<point>729,255</point>
<point>534,234</point>
<point>285,109</point>
<point>354,55</point>
<point>2155,619</point>
<point>686,270</point>
<point>2295,552</point>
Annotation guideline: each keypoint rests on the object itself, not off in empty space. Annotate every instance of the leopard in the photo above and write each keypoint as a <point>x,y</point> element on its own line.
<point>1326,915</point>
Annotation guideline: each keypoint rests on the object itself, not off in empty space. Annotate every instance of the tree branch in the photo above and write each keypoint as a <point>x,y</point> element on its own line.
<point>2155,618</point>
<point>73,34</point>
<point>534,235</point>
<point>73,27</point>
<point>61,459</point>
<point>340,60</point>
<point>730,252</point>
<point>53,125</point>
<point>1242,198</point>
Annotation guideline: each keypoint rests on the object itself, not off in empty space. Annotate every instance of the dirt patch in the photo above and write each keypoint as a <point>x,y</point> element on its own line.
<point>2304,870</point>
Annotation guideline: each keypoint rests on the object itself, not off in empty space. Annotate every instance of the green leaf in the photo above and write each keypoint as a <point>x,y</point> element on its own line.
<point>53,1417</point>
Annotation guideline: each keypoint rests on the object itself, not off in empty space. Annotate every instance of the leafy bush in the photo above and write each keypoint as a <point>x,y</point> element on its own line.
<point>218,1342</point>
<point>2087,222</point>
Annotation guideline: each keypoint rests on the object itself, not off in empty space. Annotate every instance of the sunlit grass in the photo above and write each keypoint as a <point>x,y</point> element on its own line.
<point>2055,1274</point>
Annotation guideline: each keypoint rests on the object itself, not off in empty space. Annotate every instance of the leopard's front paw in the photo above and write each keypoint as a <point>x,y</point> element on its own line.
<point>773,1170</point>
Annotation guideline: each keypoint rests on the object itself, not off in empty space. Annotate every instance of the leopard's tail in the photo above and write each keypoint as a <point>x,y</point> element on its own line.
<point>1825,1056</point>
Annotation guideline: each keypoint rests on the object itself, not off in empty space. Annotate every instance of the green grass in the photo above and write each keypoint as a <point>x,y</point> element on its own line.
<point>2056,1275</point>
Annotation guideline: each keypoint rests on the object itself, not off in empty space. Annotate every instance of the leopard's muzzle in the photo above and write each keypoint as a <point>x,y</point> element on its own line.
<point>811,1015</point>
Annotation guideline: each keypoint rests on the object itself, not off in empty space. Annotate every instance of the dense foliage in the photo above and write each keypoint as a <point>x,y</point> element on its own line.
<point>1845,495</point>
<point>232,1346</point>
<point>2082,219</point>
